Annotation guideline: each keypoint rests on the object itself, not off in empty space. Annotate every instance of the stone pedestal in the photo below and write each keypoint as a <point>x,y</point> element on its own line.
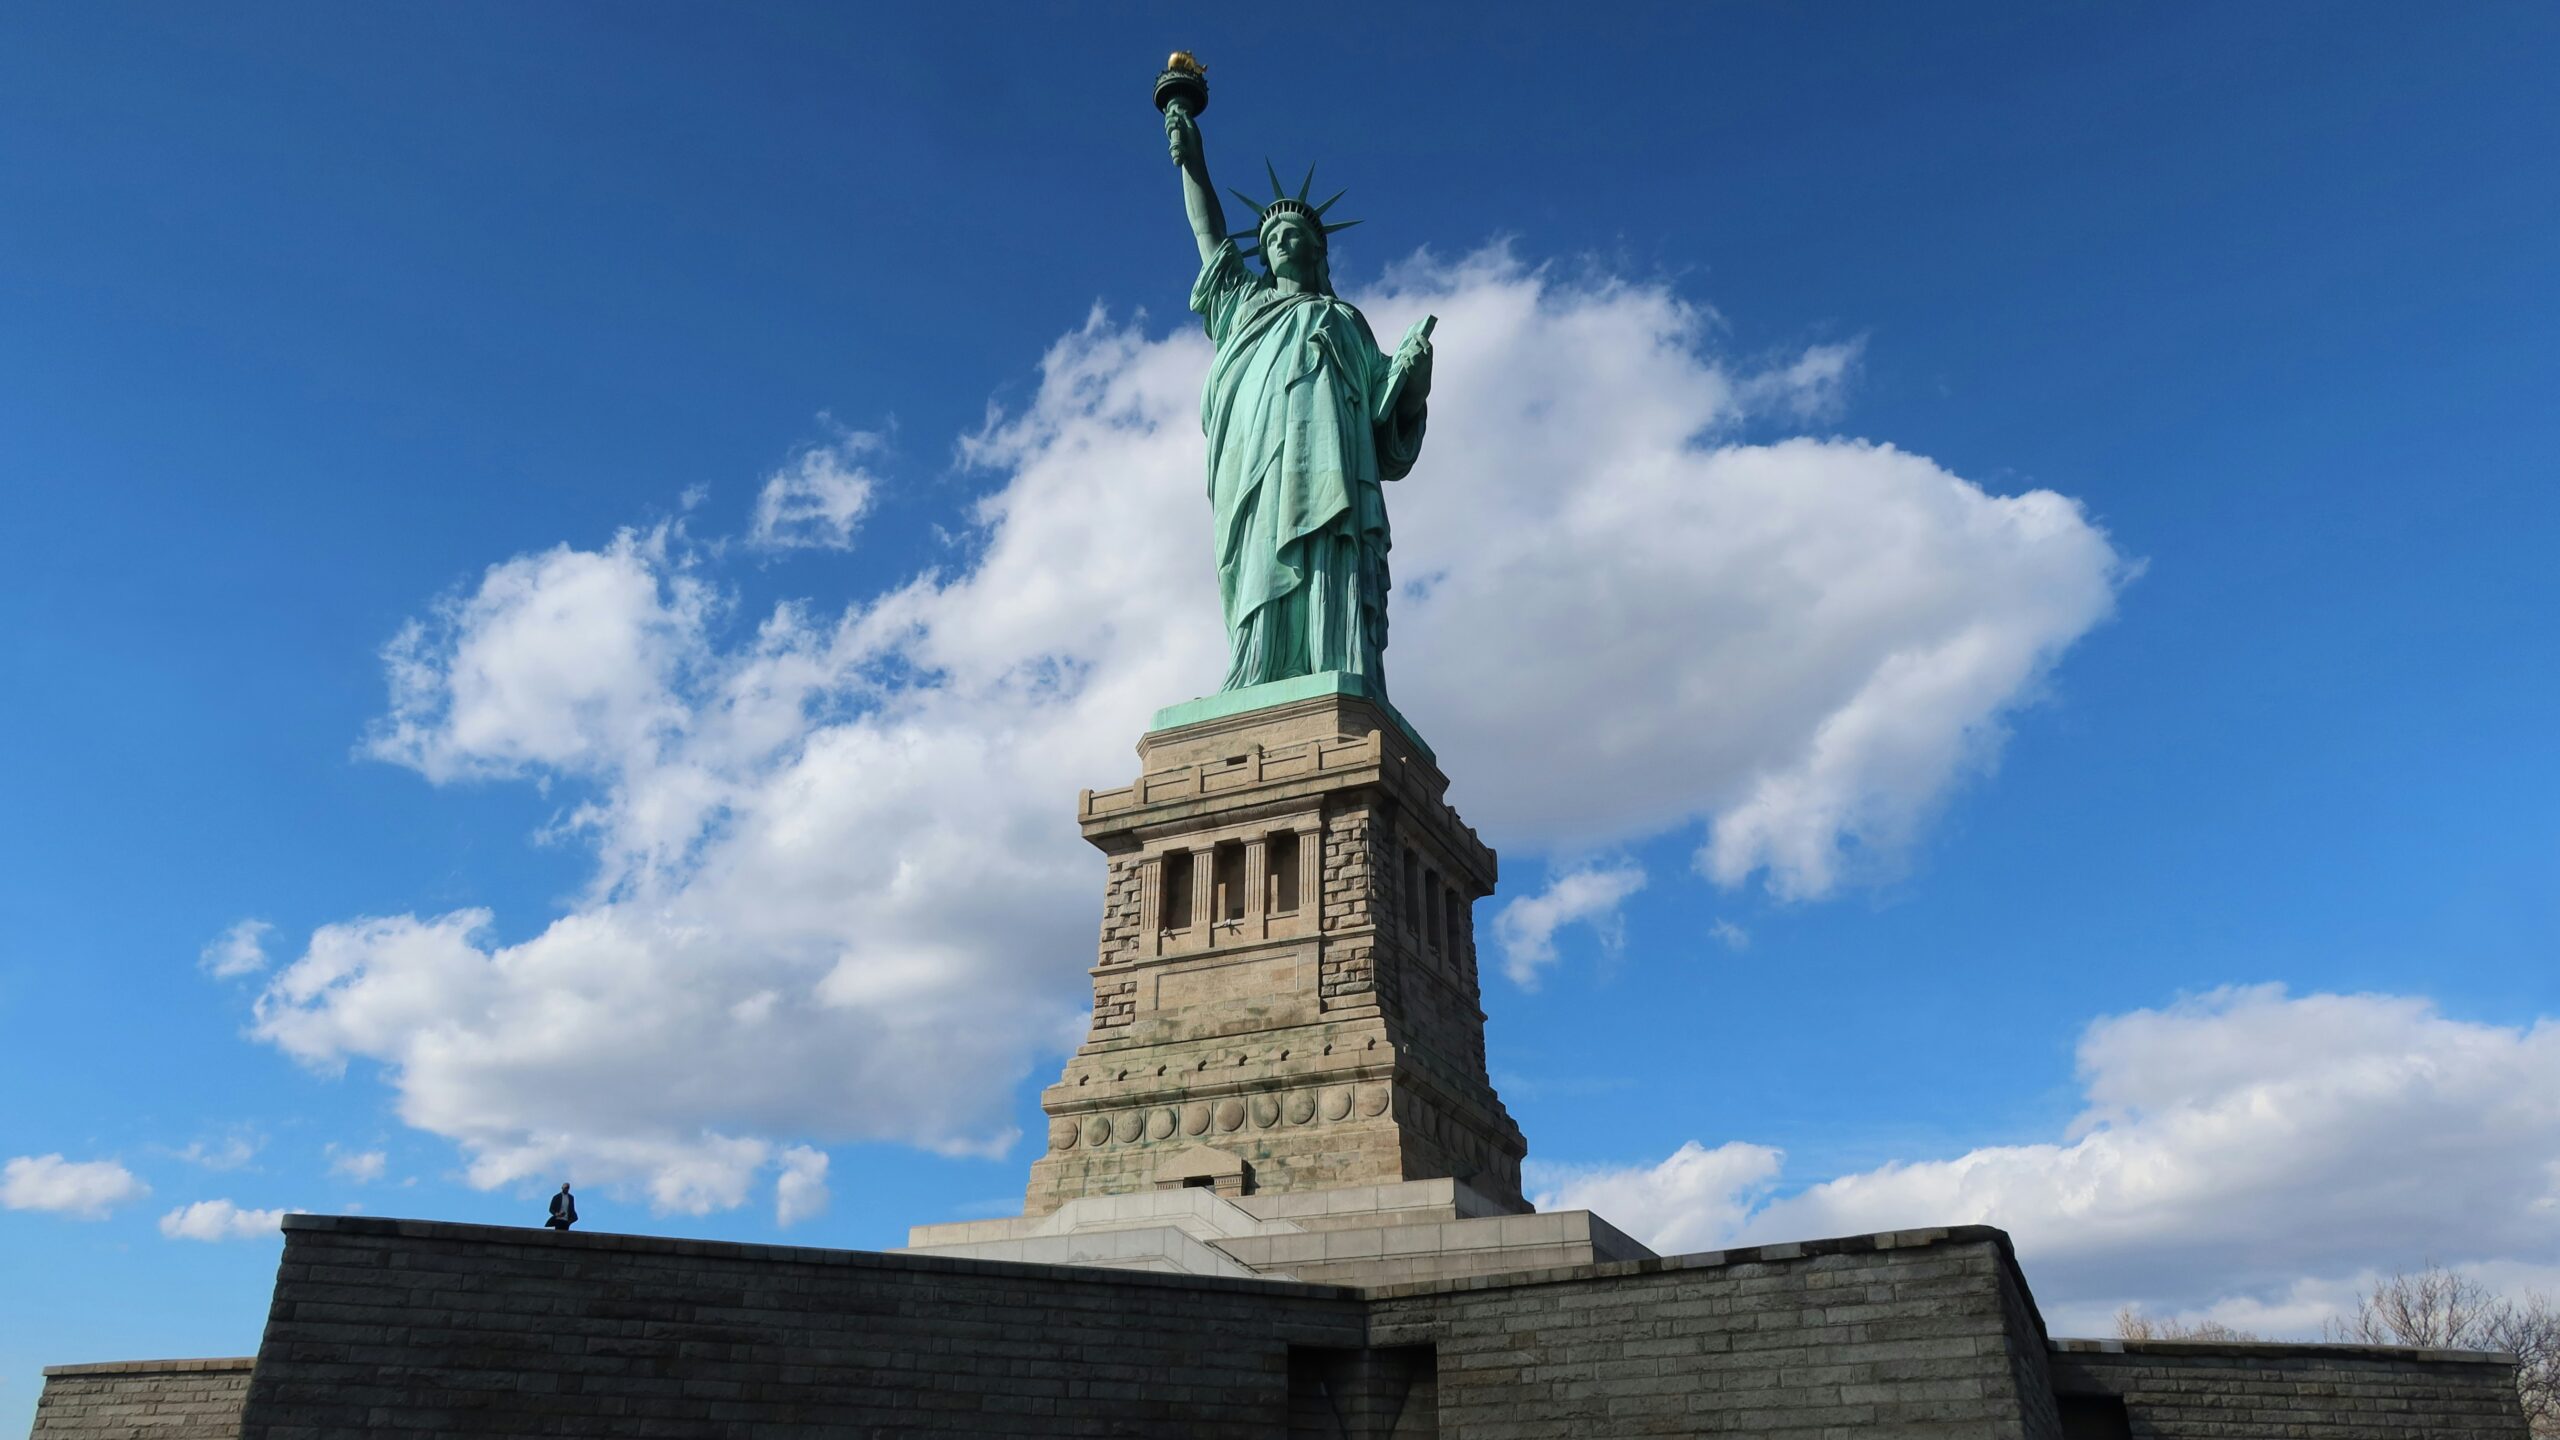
<point>1285,998</point>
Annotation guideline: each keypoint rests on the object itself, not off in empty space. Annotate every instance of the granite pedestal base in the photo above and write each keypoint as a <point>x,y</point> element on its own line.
<point>1284,994</point>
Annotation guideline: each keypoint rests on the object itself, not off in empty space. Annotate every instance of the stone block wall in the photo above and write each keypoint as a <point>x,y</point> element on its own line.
<point>1911,1335</point>
<point>1123,909</point>
<point>405,1328</point>
<point>2190,1390</point>
<point>396,1328</point>
<point>1115,1004</point>
<point>1443,1135</point>
<point>1349,975</point>
<point>2030,1370</point>
<point>143,1400</point>
<point>1351,888</point>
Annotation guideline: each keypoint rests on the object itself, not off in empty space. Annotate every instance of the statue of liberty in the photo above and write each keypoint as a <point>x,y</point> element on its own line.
<point>1305,418</point>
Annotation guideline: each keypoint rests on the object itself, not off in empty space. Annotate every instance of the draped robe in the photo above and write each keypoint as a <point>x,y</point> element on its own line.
<point>1302,430</point>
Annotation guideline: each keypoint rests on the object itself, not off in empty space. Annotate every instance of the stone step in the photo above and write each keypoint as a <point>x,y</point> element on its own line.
<point>1362,1207</point>
<point>1163,1249</point>
<point>1406,1254</point>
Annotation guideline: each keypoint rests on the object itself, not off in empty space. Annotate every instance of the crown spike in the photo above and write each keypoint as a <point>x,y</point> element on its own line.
<point>1277,193</point>
<point>1257,205</point>
<point>1345,225</point>
<point>1303,184</point>
<point>1338,194</point>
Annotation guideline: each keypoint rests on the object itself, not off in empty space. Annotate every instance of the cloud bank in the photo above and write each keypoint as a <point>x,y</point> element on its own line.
<point>2245,1155</point>
<point>838,891</point>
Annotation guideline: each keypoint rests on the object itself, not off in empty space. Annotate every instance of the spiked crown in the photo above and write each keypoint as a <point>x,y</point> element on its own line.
<point>1282,203</point>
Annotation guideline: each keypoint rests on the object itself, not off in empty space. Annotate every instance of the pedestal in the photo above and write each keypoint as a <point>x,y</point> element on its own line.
<point>1285,997</point>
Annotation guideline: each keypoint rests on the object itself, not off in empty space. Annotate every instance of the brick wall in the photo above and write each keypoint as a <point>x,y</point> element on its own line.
<point>2172,1390</point>
<point>1910,1335</point>
<point>143,1400</point>
<point>403,1328</point>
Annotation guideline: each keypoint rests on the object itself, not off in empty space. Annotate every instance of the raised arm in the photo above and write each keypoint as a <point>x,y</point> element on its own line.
<point>1208,217</point>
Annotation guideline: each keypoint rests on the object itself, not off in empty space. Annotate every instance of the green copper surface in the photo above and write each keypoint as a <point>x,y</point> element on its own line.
<point>1306,418</point>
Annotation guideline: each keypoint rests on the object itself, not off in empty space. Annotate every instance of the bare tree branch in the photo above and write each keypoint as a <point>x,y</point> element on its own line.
<point>2441,1309</point>
<point>2132,1324</point>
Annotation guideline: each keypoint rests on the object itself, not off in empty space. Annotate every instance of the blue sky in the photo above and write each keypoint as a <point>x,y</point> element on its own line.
<point>323,324</point>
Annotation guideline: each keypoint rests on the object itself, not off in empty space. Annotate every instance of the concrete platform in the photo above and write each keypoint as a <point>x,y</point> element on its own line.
<point>1410,1202</point>
<point>1453,1249</point>
<point>1170,1232</point>
<point>1410,1232</point>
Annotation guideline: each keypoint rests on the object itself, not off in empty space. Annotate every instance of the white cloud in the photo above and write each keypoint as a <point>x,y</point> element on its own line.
<point>2244,1155</point>
<point>839,891</point>
<point>566,661</point>
<point>229,1153</point>
<point>800,1191</point>
<point>361,1166</point>
<point>1730,936</point>
<point>1591,895</point>
<point>221,1220</point>
<point>1814,384</point>
<point>1804,644</point>
<point>817,499</point>
<point>1692,1201</point>
<point>240,950</point>
<point>85,1189</point>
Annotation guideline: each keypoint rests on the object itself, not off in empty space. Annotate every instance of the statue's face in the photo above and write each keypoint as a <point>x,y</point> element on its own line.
<point>1292,247</point>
